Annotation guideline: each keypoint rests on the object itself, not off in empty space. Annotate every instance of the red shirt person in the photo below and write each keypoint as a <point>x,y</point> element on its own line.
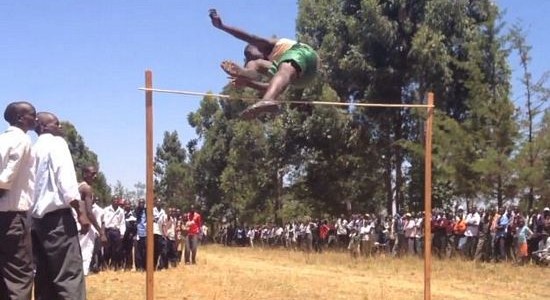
<point>323,231</point>
<point>194,223</point>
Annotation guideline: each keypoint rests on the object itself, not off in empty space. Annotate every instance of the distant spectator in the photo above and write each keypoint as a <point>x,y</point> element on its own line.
<point>524,233</point>
<point>501,232</point>
<point>194,224</point>
<point>473,219</point>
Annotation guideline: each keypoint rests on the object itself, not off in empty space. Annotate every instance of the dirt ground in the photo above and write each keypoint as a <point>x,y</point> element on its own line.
<point>245,273</point>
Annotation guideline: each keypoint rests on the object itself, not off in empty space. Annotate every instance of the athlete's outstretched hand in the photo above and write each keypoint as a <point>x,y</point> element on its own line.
<point>216,20</point>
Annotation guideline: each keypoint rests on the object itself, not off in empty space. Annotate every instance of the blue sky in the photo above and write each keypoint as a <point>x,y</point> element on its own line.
<point>84,61</point>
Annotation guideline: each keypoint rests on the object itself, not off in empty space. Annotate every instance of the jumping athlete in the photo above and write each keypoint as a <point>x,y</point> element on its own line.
<point>287,62</point>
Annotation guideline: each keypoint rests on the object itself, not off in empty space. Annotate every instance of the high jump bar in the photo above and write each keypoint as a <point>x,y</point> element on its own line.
<point>332,103</point>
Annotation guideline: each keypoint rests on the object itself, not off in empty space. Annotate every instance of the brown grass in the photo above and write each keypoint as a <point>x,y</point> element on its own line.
<point>244,273</point>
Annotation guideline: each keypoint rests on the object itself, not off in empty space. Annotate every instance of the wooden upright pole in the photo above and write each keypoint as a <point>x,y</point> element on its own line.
<point>428,199</point>
<point>149,183</point>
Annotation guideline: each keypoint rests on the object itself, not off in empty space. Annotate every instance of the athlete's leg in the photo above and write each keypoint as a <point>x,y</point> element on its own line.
<point>286,73</point>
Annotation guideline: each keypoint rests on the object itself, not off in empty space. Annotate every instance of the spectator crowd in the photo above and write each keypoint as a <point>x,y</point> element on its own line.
<point>493,235</point>
<point>176,235</point>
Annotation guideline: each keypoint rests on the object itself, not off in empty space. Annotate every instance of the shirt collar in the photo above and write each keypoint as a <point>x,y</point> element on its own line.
<point>14,128</point>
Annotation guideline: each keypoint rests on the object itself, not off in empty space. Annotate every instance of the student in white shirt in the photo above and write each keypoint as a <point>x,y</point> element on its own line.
<point>97,256</point>
<point>410,232</point>
<point>16,184</point>
<point>159,231</point>
<point>56,248</point>
<point>365,232</point>
<point>472,232</point>
<point>115,225</point>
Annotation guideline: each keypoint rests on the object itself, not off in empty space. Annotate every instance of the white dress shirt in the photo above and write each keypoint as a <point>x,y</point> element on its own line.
<point>159,217</point>
<point>472,224</point>
<point>16,172</point>
<point>98,214</point>
<point>114,218</point>
<point>56,186</point>
<point>410,228</point>
<point>171,228</point>
<point>365,231</point>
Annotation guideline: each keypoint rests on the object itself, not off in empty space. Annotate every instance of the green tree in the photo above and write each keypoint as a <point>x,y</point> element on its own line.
<point>396,51</point>
<point>119,190</point>
<point>534,96</point>
<point>173,178</point>
<point>543,139</point>
<point>492,119</point>
<point>208,162</point>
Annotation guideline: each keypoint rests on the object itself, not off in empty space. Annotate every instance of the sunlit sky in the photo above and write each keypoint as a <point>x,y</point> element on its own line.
<point>84,60</point>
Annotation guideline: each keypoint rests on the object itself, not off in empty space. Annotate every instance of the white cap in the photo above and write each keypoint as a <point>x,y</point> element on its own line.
<point>546,209</point>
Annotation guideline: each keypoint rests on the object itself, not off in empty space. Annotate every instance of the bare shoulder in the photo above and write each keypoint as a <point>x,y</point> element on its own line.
<point>84,187</point>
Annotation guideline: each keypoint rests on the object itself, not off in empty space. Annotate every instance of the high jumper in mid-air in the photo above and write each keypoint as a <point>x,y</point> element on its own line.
<point>286,61</point>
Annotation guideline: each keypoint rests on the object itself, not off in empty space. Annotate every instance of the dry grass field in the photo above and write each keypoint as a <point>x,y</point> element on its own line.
<point>244,273</point>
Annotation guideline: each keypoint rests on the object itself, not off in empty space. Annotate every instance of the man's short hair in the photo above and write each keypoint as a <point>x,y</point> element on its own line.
<point>11,114</point>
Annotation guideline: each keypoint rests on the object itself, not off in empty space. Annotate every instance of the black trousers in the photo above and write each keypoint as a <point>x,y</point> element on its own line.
<point>159,255</point>
<point>140,253</point>
<point>97,262</point>
<point>58,257</point>
<point>16,269</point>
<point>171,252</point>
<point>127,252</point>
<point>113,251</point>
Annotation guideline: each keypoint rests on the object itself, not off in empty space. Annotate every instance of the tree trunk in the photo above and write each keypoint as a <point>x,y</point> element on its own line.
<point>278,198</point>
<point>500,197</point>
<point>398,160</point>
<point>388,182</point>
